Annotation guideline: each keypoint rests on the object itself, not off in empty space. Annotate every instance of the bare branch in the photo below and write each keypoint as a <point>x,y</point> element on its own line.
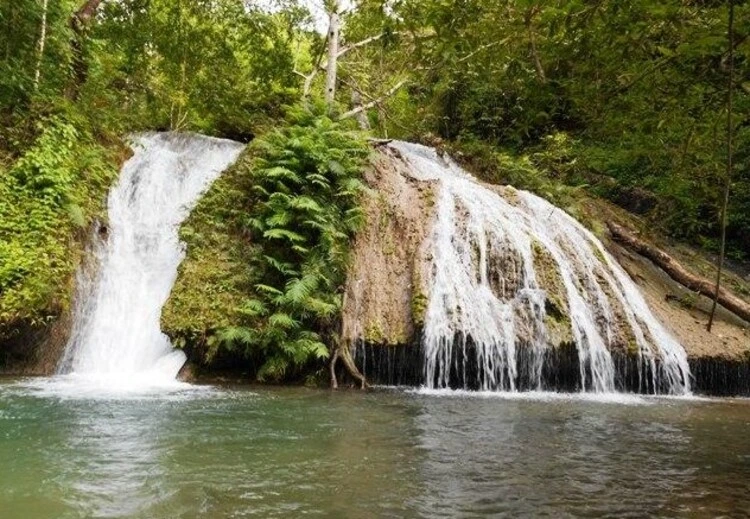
<point>362,43</point>
<point>374,102</point>
<point>311,76</point>
<point>482,48</point>
<point>529,21</point>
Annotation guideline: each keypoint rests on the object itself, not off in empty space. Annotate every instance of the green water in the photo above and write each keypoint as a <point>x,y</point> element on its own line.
<point>248,452</point>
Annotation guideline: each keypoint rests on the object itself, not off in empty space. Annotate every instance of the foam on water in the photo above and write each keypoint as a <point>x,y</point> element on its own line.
<point>539,396</point>
<point>84,387</point>
<point>486,301</point>
<point>116,341</point>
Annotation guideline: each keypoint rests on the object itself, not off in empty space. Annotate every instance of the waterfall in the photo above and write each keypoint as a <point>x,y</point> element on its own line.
<point>116,338</point>
<point>488,320</point>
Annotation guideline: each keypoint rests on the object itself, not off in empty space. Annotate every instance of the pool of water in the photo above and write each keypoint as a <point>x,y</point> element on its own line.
<point>188,451</point>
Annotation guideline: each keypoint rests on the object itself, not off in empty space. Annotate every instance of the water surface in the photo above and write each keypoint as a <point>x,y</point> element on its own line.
<point>290,452</point>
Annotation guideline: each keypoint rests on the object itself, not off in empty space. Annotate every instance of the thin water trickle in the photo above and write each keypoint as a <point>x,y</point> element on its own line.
<point>116,340</point>
<point>486,303</point>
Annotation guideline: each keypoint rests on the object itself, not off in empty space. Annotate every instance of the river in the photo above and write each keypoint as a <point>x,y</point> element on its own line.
<point>215,452</point>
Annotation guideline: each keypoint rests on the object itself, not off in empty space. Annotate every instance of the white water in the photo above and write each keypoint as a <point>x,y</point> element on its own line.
<point>116,340</point>
<point>484,290</point>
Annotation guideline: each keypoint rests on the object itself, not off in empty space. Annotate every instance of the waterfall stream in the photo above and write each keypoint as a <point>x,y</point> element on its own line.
<point>116,337</point>
<point>489,311</point>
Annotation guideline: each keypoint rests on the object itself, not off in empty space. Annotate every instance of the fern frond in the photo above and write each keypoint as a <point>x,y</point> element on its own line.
<point>279,233</point>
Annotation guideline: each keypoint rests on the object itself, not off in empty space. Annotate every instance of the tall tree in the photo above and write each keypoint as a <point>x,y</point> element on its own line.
<point>79,24</point>
<point>728,179</point>
<point>334,32</point>
<point>42,42</point>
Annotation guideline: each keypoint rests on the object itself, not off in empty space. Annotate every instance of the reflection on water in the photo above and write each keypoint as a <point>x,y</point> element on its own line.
<point>118,460</point>
<point>291,452</point>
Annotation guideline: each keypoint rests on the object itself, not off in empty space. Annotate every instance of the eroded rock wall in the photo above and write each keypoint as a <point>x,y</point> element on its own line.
<point>386,295</point>
<point>385,291</point>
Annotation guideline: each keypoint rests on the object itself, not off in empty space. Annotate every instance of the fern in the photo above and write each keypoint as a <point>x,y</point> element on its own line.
<point>304,211</point>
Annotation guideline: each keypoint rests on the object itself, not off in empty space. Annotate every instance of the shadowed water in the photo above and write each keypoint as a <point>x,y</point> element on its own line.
<point>220,452</point>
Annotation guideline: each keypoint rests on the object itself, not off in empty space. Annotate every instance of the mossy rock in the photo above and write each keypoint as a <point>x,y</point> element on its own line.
<point>557,320</point>
<point>215,275</point>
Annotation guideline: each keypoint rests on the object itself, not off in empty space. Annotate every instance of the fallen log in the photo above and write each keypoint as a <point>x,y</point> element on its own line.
<point>677,272</point>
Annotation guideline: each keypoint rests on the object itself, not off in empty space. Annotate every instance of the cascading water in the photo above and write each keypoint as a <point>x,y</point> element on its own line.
<point>487,309</point>
<point>116,336</point>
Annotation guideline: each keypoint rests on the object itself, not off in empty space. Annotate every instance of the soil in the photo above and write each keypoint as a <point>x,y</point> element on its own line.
<point>685,313</point>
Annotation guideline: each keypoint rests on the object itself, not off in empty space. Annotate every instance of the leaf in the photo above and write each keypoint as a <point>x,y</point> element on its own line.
<point>282,320</point>
<point>283,234</point>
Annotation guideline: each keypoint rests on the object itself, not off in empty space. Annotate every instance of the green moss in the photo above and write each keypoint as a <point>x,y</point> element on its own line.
<point>419,300</point>
<point>48,198</point>
<point>374,334</point>
<point>599,255</point>
<point>632,347</point>
<point>428,196</point>
<point>557,320</point>
<point>215,276</point>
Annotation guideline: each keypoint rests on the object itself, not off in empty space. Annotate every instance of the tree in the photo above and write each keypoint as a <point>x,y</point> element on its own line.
<point>42,41</point>
<point>728,179</point>
<point>334,52</point>
<point>79,24</point>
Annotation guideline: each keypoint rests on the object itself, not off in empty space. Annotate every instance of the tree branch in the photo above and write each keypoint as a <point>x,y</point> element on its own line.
<point>482,48</point>
<point>374,102</point>
<point>529,21</point>
<point>361,43</point>
<point>679,273</point>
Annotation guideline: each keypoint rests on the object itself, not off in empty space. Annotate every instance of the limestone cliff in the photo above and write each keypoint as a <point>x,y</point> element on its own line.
<point>386,291</point>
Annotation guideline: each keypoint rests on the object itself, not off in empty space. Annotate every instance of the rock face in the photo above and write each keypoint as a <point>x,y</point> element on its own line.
<point>30,349</point>
<point>388,293</point>
<point>719,360</point>
<point>385,292</point>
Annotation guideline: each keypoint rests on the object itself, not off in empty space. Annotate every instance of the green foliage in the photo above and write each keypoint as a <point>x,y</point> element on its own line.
<point>217,67</point>
<point>549,169</point>
<point>303,212</point>
<point>54,189</point>
<point>215,276</point>
<point>639,85</point>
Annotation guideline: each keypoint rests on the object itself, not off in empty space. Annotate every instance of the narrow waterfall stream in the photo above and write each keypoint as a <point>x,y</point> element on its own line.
<point>498,262</point>
<point>116,337</point>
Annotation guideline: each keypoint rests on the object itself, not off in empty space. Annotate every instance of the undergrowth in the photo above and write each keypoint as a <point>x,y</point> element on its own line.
<point>294,211</point>
<point>48,196</point>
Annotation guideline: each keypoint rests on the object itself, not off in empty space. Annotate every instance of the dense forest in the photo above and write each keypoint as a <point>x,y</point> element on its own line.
<point>624,100</point>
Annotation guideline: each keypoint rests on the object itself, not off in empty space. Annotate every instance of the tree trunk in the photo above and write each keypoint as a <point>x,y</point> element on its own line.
<point>79,24</point>
<point>529,20</point>
<point>40,46</point>
<point>364,123</point>
<point>728,180</point>
<point>677,272</point>
<point>334,28</point>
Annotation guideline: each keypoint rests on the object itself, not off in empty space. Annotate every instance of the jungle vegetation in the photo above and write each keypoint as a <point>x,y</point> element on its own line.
<point>626,100</point>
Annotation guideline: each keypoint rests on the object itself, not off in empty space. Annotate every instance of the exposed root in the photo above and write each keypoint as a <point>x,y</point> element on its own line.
<point>332,366</point>
<point>345,354</point>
